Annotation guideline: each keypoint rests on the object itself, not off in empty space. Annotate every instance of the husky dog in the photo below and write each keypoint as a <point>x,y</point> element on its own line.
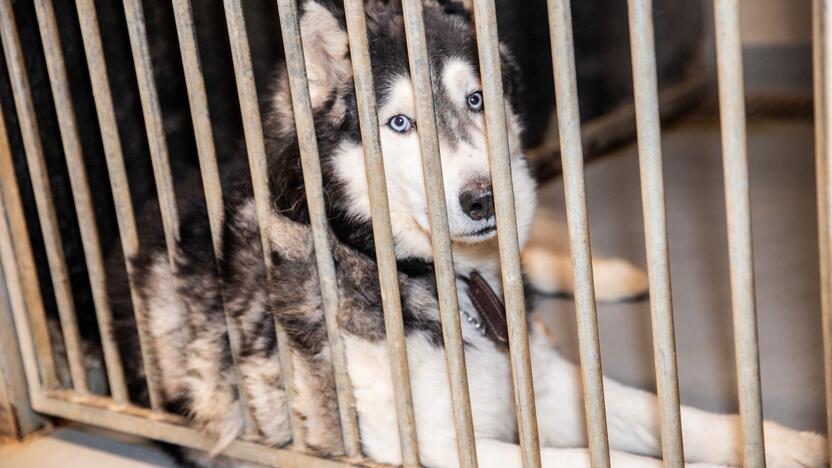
<point>182,316</point>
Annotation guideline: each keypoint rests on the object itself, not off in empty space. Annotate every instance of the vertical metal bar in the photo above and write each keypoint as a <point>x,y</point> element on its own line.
<point>26,339</point>
<point>96,412</point>
<point>201,116</point>
<point>822,54</point>
<point>648,127</point>
<point>738,208</point>
<point>313,184</point>
<point>154,126</point>
<point>81,194</point>
<point>43,195</point>
<point>439,230</point>
<point>22,279</point>
<point>93,49</point>
<point>382,234</point>
<point>256,149</point>
<point>499,154</point>
<point>569,122</point>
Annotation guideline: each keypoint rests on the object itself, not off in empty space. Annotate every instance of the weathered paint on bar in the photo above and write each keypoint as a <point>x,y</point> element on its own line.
<point>212,187</point>
<point>18,263</point>
<point>98,412</point>
<point>822,52</point>
<point>569,122</point>
<point>256,150</point>
<point>91,36</point>
<point>38,173</point>
<point>21,278</point>
<point>313,184</point>
<point>81,195</point>
<point>499,155</point>
<point>18,371</point>
<point>648,126</point>
<point>443,260</point>
<point>738,210</point>
<point>154,126</point>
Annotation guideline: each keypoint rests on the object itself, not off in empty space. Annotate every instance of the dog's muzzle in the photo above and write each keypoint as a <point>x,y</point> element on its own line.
<point>477,199</point>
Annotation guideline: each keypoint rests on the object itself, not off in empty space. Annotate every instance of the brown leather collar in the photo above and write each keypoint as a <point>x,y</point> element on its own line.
<point>490,307</point>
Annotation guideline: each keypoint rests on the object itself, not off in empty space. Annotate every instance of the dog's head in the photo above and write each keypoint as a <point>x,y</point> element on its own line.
<point>458,101</point>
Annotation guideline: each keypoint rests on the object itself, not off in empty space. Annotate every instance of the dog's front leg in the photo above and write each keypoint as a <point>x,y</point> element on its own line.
<point>633,420</point>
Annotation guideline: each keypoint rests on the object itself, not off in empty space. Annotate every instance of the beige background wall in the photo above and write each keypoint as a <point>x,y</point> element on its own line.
<point>776,22</point>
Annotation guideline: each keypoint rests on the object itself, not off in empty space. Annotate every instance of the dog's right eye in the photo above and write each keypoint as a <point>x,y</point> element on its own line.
<point>400,123</point>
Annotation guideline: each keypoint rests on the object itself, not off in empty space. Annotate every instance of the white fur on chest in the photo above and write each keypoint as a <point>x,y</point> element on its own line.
<point>489,382</point>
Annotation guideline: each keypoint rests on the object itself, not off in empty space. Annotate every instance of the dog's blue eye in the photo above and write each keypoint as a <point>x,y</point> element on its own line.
<point>400,123</point>
<point>475,101</point>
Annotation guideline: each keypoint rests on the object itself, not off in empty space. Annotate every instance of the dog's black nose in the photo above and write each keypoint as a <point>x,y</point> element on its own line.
<point>476,200</point>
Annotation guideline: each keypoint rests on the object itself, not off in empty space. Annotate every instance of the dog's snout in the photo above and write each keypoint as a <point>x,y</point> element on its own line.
<point>477,200</point>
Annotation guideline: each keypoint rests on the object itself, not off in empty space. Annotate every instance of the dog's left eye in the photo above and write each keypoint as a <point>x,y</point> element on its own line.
<point>400,123</point>
<point>475,101</point>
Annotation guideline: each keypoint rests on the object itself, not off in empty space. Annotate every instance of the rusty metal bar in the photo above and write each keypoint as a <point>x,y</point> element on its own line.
<point>313,184</point>
<point>21,278</point>
<point>211,184</point>
<point>648,127</point>
<point>25,341</point>
<point>500,158</point>
<point>154,126</point>
<point>420,72</point>
<point>43,195</point>
<point>738,208</point>
<point>256,150</point>
<point>382,233</point>
<point>17,418</point>
<point>93,49</point>
<point>155,132</point>
<point>822,54</point>
<point>569,122</point>
<point>81,194</point>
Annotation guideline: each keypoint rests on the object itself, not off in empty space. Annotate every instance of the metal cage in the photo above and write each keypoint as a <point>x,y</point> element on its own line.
<point>115,412</point>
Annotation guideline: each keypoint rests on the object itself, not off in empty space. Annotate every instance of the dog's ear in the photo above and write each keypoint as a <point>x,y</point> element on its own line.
<point>325,48</point>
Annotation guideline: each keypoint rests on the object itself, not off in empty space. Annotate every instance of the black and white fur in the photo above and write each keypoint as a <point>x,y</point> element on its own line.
<point>183,315</point>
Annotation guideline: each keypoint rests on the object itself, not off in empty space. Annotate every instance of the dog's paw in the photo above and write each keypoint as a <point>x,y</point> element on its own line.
<point>615,279</point>
<point>789,448</point>
<point>547,272</point>
<point>618,280</point>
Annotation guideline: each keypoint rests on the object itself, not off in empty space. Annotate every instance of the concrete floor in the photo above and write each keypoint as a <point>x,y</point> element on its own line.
<point>785,242</point>
<point>83,446</point>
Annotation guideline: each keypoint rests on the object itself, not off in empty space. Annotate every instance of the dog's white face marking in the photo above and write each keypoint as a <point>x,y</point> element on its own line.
<point>465,165</point>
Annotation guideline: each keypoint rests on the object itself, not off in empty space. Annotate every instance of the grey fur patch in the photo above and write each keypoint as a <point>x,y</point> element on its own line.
<point>202,384</point>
